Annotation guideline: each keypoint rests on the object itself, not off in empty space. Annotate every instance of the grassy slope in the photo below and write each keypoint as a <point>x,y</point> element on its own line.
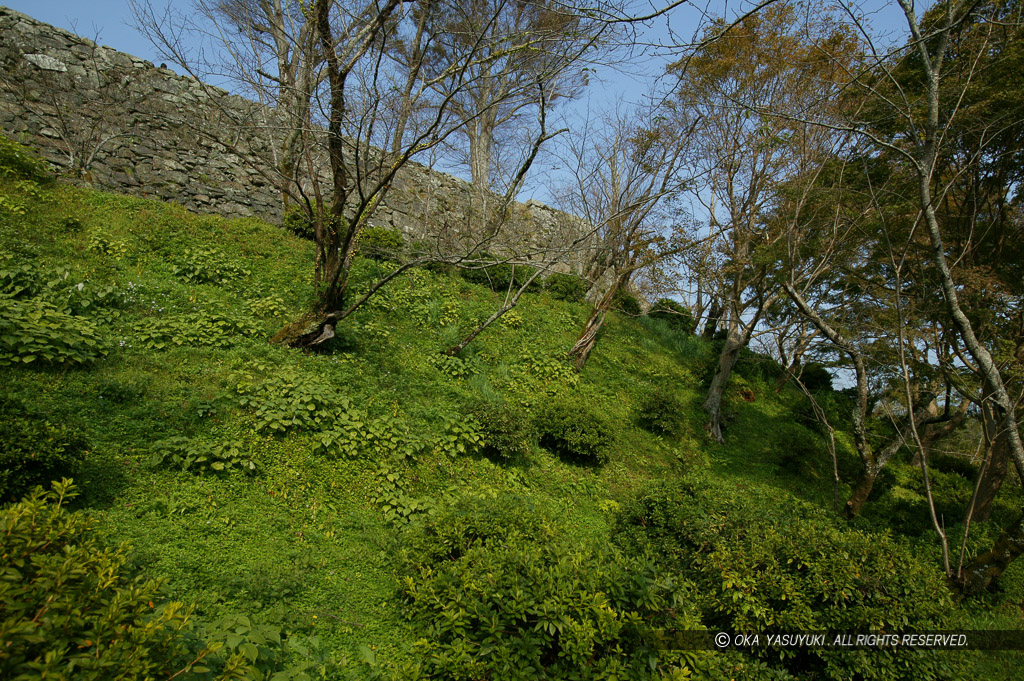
<point>304,544</point>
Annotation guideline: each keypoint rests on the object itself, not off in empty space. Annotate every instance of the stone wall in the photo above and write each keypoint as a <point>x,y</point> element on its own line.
<point>127,125</point>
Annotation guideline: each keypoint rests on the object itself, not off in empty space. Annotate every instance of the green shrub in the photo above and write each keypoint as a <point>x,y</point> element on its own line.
<point>101,243</point>
<point>460,435</point>
<point>803,452</point>
<point>548,369</point>
<point>761,563</point>
<point>754,366</point>
<point>505,428</point>
<point>573,431</point>
<point>189,454</point>
<point>70,225</point>
<point>567,287</point>
<point>67,607</point>
<point>661,413</point>
<point>19,281</point>
<point>472,520</point>
<point>816,377</point>
<point>453,366</point>
<point>353,433</point>
<point>270,307</point>
<point>70,610</point>
<point>33,330</point>
<point>513,609</point>
<point>677,316</point>
<point>35,450</point>
<point>380,243</point>
<point>297,222</point>
<point>69,294</point>
<point>952,463</point>
<point>207,266</point>
<point>196,329</point>
<point>17,161</point>
<point>290,400</point>
<point>626,303</point>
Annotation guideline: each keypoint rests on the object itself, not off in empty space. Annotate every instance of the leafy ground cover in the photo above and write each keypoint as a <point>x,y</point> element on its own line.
<point>381,510</point>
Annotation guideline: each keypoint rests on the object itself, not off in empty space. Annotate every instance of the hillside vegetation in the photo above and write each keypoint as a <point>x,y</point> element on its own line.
<point>380,510</point>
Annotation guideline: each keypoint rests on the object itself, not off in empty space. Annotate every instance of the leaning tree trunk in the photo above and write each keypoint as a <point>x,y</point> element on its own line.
<point>714,317</point>
<point>874,465</point>
<point>588,336</point>
<point>860,411</point>
<point>989,566</point>
<point>993,474</point>
<point>734,342</point>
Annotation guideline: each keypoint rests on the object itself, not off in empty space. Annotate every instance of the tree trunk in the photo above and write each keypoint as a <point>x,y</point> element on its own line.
<point>860,411</point>
<point>994,472</point>
<point>991,565</point>
<point>861,491</point>
<point>734,342</point>
<point>588,337</point>
<point>480,148</point>
<point>714,317</point>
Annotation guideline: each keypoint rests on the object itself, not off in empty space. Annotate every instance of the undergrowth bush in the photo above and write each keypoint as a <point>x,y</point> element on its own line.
<point>289,399</point>
<point>573,430</point>
<point>354,433</point>
<point>506,429</point>
<point>803,452</point>
<point>567,287</point>
<point>764,564</point>
<point>675,314</point>
<point>453,367</point>
<point>269,307</point>
<point>211,329</point>
<point>207,266</point>
<point>459,435</point>
<point>380,243</point>
<point>35,450</point>
<point>17,161</point>
<point>526,610</point>
<point>199,455</point>
<point>297,222</point>
<point>627,303</point>
<point>816,377</point>
<point>661,412</point>
<point>102,243</point>
<point>60,288</point>
<point>33,330</point>
<point>548,369</point>
<point>68,607</point>
<point>472,520</point>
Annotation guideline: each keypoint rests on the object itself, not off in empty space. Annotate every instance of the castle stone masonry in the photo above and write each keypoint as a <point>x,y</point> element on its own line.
<point>135,128</point>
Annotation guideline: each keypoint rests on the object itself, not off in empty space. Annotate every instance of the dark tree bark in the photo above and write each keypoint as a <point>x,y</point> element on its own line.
<point>714,317</point>
<point>998,458</point>
<point>734,342</point>
<point>588,336</point>
<point>737,339</point>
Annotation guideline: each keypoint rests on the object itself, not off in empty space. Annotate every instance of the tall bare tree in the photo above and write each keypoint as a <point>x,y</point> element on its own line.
<point>624,174</point>
<point>502,81</point>
<point>746,86</point>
